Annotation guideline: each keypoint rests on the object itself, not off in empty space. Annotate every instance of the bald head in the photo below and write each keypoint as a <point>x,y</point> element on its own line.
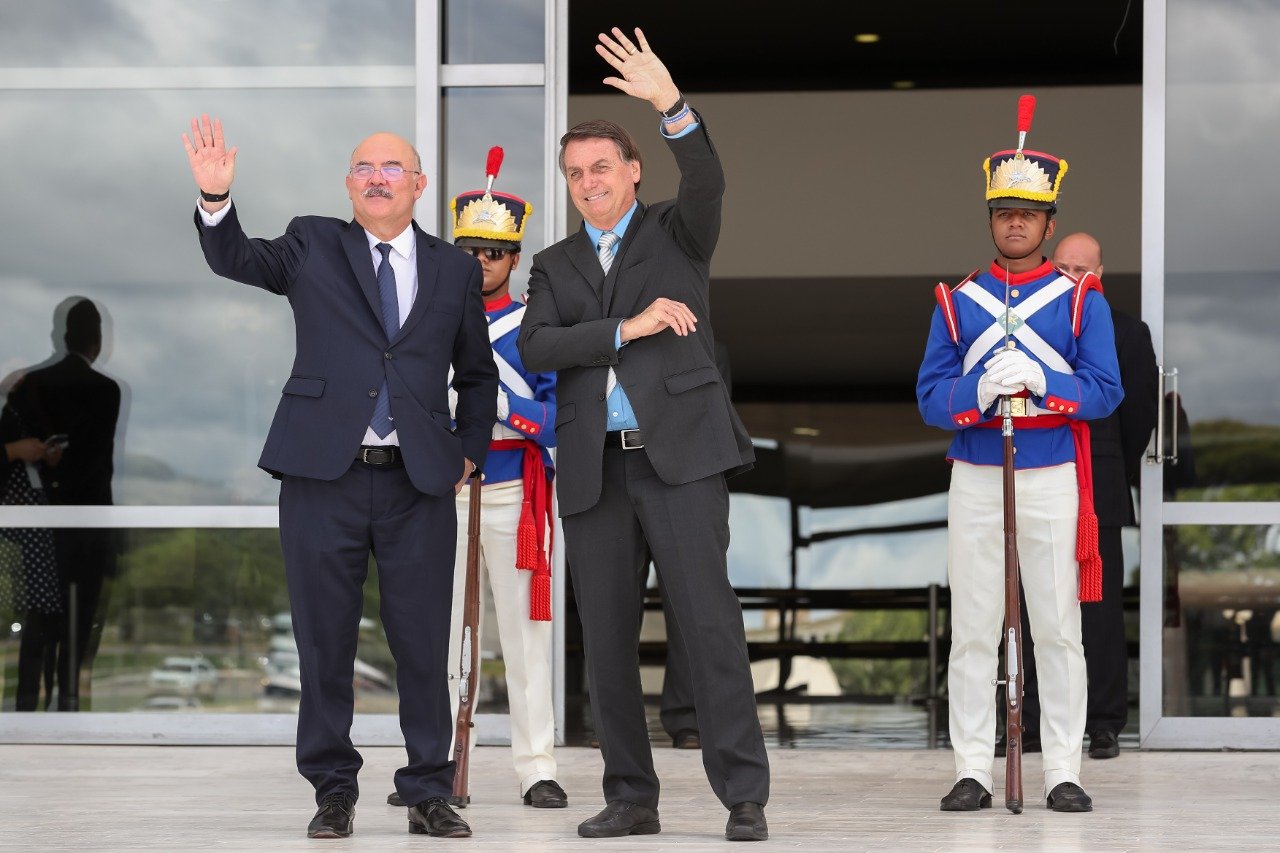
<point>1078,254</point>
<point>384,138</point>
<point>384,207</point>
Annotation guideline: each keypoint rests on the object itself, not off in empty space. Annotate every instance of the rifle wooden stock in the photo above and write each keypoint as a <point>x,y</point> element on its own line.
<point>1012,631</point>
<point>469,683</point>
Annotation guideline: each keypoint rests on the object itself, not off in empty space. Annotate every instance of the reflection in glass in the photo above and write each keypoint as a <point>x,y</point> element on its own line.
<point>119,33</point>
<point>1222,620</point>
<point>494,31</point>
<point>185,620</point>
<point>475,120</point>
<point>1222,276</point>
<point>200,360</point>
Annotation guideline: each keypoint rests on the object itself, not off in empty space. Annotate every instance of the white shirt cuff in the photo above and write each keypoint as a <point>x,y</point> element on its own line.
<point>212,219</point>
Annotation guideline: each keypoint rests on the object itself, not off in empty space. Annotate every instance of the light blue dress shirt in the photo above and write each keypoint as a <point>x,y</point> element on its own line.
<point>619,414</point>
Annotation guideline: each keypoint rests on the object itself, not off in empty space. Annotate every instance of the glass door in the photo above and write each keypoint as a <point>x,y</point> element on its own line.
<point>1211,293</point>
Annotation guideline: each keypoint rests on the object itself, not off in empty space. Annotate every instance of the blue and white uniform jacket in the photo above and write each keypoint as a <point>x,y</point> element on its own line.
<point>1062,324</point>
<point>530,396</point>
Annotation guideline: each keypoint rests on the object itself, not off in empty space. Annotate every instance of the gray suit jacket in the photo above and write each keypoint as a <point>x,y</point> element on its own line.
<point>689,426</point>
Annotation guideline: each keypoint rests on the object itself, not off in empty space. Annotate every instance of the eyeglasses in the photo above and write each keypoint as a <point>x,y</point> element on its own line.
<point>364,171</point>
<point>490,252</point>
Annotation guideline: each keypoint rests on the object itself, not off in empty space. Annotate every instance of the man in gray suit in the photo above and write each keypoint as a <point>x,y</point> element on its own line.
<point>621,310</point>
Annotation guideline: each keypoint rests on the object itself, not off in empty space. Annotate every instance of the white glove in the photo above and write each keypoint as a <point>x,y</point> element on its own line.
<point>1013,367</point>
<point>453,403</point>
<point>504,405</point>
<point>989,389</point>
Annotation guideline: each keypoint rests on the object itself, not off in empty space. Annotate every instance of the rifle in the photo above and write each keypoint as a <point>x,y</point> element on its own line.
<point>469,683</point>
<point>1012,606</point>
<point>1012,630</point>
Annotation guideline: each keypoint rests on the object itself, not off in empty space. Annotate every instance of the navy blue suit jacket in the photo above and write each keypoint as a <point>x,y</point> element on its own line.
<point>323,265</point>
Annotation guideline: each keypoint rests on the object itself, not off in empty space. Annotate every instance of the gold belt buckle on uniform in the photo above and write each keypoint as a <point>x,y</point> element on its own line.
<point>1018,407</point>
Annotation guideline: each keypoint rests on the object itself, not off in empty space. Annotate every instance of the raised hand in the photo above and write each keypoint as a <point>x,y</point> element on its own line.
<point>643,75</point>
<point>212,165</point>
<point>662,314</point>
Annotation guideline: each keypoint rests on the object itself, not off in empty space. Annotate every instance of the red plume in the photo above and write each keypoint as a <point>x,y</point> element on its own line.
<point>1026,110</point>
<point>494,163</point>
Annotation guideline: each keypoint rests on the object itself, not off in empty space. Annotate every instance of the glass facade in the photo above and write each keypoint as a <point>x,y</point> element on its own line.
<point>1222,620</point>
<point>191,619</point>
<point>168,33</point>
<point>494,31</point>
<point>1210,600</point>
<point>1220,252</point>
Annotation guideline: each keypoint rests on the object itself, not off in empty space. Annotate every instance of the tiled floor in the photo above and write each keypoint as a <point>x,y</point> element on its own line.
<point>249,798</point>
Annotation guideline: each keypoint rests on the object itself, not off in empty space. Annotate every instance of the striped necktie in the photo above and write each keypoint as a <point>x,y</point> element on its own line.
<point>381,422</point>
<point>604,251</point>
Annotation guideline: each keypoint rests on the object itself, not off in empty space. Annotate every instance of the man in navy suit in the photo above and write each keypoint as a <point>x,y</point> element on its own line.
<point>363,444</point>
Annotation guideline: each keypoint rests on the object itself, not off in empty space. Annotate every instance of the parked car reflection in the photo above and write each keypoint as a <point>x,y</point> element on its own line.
<point>183,676</point>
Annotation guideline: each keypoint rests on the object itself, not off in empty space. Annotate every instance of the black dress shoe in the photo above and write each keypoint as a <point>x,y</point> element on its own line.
<point>1068,797</point>
<point>746,823</point>
<point>335,817</point>
<point>1030,743</point>
<point>967,795</point>
<point>546,794</point>
<point>434,817</point>
<point>393,799</point>
<point>1103,744</point>
<point>621,818</point>
<point>686,739</point>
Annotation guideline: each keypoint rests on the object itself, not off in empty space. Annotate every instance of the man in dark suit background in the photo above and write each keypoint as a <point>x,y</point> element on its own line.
<point>78,408</point>
<point>1117,443</point>
<point>646,437</point>
<point>363,444</point>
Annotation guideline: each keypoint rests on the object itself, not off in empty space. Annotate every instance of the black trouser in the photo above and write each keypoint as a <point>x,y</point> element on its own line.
<point>328,530</point>
<point>1106,653</point>
<point>685,531</point>
<point>85,558</point>
<point>677,713</point>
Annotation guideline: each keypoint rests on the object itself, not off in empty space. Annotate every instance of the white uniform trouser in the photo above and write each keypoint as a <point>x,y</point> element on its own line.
<point>526,644</point>
<point>1047,503</point>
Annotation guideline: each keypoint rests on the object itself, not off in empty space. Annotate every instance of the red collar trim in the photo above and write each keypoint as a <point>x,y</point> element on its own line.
<point>1039,272</point>
<point>498,304</point>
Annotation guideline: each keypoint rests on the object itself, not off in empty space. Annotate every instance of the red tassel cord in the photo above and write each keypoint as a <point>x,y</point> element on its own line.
<point>534,532</point>
<point>1087,524</point>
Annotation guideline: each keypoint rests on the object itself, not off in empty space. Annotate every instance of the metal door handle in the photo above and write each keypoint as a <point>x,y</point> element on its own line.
<point>1167,402</point>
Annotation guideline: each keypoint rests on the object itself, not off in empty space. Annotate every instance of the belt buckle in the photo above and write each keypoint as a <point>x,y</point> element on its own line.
<point>623,436</point>
<point>382,455</point>
<point>1018,407</point>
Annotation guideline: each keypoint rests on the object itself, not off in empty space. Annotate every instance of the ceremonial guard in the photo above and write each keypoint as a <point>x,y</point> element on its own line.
<point>1020,329</point>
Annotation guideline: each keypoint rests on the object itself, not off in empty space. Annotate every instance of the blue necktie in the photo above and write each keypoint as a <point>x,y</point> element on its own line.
<point>381,422</point>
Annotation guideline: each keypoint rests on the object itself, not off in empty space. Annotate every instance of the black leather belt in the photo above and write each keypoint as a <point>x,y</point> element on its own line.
<point>384,456</point>
<point>624,439</point>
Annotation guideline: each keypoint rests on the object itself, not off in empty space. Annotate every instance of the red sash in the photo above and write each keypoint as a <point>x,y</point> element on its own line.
<point>535,532</point>
<point>1087,521</point>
